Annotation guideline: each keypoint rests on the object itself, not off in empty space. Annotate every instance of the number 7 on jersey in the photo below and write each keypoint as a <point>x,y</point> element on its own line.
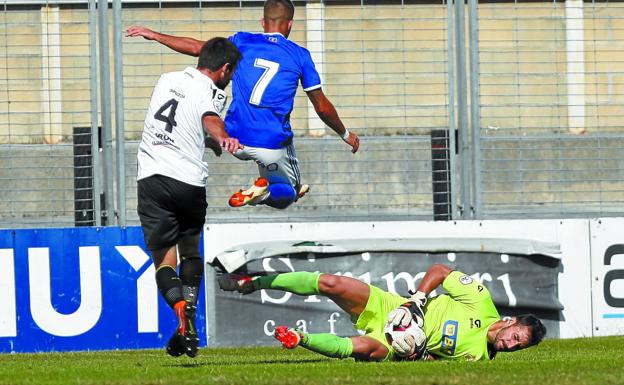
<point>270,69</point>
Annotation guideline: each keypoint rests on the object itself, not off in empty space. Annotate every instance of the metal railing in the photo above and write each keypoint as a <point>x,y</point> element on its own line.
<point>532,90</point>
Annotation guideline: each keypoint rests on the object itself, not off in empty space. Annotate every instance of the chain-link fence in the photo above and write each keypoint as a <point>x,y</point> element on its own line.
<point>533,89</point>
<point>551,89</point>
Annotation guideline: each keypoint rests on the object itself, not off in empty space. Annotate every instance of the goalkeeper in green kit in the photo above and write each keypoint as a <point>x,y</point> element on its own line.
<point>463,324</point>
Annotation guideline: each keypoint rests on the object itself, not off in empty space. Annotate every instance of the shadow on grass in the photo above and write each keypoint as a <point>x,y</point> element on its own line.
<point>198,364</point>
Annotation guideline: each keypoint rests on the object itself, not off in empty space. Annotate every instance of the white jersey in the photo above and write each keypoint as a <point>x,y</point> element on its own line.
<point>173,136</point>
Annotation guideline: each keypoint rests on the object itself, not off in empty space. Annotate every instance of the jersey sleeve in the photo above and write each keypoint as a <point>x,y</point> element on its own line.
<point>310,79</point>
<point>214,103</point>
<point>465,289</point>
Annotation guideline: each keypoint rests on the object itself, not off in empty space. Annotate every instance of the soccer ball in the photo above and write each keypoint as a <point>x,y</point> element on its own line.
<point>405,340</point>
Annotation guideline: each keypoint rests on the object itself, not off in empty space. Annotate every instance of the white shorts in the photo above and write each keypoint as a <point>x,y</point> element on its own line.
<point>274,164</point>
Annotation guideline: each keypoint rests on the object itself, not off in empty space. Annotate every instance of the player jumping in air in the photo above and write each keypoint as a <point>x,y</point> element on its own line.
<point>263,93</point>
<point>171,182</point>
<point>463,324</point>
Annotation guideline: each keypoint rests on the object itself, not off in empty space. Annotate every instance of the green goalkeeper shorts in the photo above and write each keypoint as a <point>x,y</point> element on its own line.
<point>374,317</point>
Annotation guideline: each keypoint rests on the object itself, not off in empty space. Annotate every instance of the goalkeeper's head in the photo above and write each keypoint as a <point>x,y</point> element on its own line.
<point>519,332</point>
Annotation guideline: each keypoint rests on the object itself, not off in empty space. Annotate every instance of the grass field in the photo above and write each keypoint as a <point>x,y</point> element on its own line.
<point>554,362</point>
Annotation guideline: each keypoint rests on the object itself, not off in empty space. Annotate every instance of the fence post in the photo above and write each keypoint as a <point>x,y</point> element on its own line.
<point>119,116</point>
<point>108,217</point>
<point>475,110</point>
<point>462,111</point>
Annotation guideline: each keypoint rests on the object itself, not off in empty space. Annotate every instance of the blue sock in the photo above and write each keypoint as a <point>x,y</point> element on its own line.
<point>281,193</point>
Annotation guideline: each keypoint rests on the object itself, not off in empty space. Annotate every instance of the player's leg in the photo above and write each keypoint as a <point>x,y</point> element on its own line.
<point>279,184</point>
<point>157,213</point>
<point>330,345</point>
<point>170,286</point>
<point>286,177</point>
<point>191,267</point>
<point>255,194</point>
<point>192,212</point>
<point>350,294</point>
<point>368,307</point>
<point>191,209</point>
<point>160,229</point>
<point>167,279</point>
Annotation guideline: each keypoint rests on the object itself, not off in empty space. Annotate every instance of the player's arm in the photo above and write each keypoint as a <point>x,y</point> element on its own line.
<point>185,45</point>
<point>413,309</point>
<point>433,278</point>
<point>218,139</point>
<point>328,114</point>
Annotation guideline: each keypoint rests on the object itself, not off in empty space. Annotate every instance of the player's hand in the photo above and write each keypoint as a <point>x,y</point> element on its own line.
<point>354,141</point>
<point>137,30</point>
<point>230,145</point>
<point>419,297</point>
<point>404,345</point>
<point>411,310</point>
<point>411,345</point>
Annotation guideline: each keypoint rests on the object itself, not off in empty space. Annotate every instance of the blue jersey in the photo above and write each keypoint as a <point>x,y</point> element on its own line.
<point>264,87</point>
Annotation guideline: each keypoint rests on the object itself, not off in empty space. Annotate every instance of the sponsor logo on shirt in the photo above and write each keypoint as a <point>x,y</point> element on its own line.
<point>165,140</point>
<point>449,337</point>
<point>177,93</point>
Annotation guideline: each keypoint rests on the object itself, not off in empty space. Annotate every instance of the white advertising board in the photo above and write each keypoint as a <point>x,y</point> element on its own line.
<point>570,238</point>
<point>607,275</point>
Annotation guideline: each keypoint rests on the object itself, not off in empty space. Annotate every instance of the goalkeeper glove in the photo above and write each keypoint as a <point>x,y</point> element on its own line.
<point>410,344</point>
<point>411,310</point>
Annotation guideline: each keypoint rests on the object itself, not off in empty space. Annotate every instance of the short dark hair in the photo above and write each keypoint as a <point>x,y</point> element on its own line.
<point>216,52</point>
<point>288,4</point>
<point>537,328</point>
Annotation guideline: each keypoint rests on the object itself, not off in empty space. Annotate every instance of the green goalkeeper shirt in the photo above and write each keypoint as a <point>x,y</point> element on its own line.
<point>456,324</point>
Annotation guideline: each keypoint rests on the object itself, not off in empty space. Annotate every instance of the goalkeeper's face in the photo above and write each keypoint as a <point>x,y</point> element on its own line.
<point>512,337</point>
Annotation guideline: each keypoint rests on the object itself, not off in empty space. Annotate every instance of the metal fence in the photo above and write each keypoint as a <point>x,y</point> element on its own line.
<point>531,90</point>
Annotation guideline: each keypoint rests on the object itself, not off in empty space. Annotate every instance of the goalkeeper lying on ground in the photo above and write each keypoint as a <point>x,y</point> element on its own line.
<point>463,324</point>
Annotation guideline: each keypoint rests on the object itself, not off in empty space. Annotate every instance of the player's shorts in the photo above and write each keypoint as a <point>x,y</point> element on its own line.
<point>169,210</point>
<point>274,164</point>
<point>375,315</point>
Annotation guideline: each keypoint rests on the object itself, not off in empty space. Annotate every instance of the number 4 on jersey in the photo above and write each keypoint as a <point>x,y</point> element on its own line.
<point>270,69</point>
<point>170,109</point>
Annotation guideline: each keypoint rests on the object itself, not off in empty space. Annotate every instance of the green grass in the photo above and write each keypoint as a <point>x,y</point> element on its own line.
<point>554,362</point>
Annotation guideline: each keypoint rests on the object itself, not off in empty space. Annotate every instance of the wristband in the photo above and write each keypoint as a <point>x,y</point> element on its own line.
<point>345,136</point>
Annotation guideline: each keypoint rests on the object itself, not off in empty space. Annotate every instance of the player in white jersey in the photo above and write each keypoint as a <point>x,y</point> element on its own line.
<point>183,117</point>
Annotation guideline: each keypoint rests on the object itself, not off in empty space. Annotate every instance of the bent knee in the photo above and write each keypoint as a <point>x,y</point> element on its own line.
<point>329,283</point>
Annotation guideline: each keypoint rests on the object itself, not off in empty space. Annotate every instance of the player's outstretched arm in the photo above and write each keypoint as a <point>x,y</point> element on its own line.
<point>328,114</point>
<point>185,45</point>
<point>219,139</point>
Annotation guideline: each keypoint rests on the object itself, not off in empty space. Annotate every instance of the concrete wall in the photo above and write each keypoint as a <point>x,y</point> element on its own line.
<point>385,67</point>
<point>389,179</point>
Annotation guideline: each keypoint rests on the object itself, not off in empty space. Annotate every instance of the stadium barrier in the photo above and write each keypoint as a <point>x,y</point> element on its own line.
<point>515,260</point>
<point>93,288</point>
<point>82,288</point>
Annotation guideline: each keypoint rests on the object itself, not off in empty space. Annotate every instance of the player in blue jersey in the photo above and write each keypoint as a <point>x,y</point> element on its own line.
<point>263,92</point>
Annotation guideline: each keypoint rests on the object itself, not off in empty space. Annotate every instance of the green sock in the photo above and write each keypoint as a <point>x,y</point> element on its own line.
<point>298,282</point>
<point>328,345</point>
